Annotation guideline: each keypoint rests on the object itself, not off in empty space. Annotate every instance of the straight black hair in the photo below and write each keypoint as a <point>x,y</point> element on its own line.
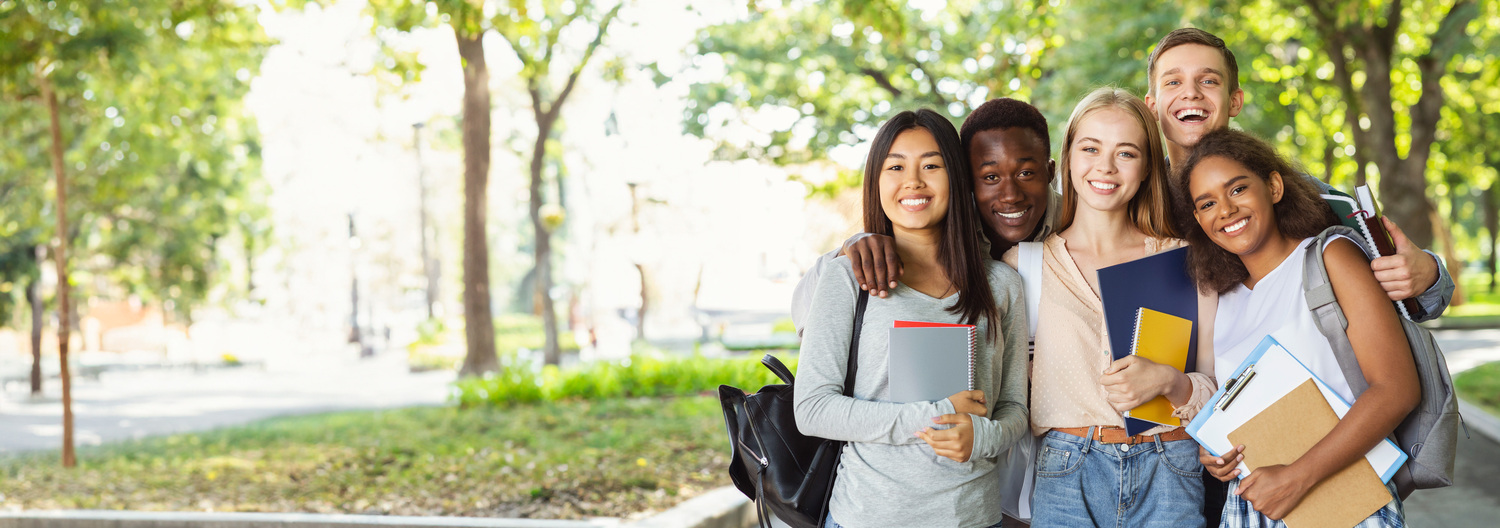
<point>959,244</point>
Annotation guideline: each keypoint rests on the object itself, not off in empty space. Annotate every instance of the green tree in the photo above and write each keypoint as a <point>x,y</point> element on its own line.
<point>828,75</point>
<point>536,39</point>
<point>535,32</point>
<point>1388,65</point>
<point>122,95</point>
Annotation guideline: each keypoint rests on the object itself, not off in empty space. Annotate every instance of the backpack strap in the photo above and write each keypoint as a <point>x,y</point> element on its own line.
<point>1317,289</point>
<point>1030,267</point>
<point>859,322</point>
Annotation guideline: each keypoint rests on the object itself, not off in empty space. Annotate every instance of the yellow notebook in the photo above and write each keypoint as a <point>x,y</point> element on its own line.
<point>1163,338</point>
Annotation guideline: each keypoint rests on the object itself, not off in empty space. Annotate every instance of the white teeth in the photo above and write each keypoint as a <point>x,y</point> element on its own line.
<point>1235,227</point>
<point>915,201</point>
<point>1103,186</point>
<point>1191,112</point>
<point>1012,216</point>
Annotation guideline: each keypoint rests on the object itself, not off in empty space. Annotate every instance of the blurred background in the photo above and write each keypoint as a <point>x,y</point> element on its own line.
<point>479,213</point>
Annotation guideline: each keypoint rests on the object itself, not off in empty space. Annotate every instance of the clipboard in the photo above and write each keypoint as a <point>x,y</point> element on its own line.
<point>1286,431</point>
<point>1269,373</point>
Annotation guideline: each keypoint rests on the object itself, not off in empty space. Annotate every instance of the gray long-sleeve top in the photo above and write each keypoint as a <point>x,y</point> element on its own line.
<point>887,476</point>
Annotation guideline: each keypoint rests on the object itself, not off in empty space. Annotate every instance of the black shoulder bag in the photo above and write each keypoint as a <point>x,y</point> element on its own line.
<point>784,471</point>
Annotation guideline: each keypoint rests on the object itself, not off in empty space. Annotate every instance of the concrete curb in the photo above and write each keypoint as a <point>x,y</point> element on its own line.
<point>1478,420</point>
<point>720,508</point>
<point>140,519</point>
<point>724,507</point>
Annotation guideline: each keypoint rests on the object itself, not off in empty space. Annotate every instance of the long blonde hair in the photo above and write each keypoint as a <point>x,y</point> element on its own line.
<point>1149,208</point>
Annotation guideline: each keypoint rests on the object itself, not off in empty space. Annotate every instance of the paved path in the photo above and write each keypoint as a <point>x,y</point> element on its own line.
<point>1474,500</point>
<point>125,405</point>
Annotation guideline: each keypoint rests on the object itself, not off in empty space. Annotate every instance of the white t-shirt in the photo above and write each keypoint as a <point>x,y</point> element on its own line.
<point>1276,307</point>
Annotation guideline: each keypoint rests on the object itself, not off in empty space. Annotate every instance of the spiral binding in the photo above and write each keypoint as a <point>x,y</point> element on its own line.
<point>1135,338</point>
<point>973,354</point>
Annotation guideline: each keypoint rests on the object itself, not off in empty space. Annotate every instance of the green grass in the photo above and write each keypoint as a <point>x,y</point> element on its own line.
<point>548,460</point>
<point>1481,386</point>
<point>645,374</point>
<point>1480,309</point>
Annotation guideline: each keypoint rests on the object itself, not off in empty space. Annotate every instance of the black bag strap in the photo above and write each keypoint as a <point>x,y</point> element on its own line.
<point>859,322</point>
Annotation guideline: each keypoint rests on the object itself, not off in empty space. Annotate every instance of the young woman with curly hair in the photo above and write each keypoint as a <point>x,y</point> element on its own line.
<point>1250,217</point>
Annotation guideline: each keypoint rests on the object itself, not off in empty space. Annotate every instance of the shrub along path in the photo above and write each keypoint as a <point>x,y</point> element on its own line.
<point>612,458</point>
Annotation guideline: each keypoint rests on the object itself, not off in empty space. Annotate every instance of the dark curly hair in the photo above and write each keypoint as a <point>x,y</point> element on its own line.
<point>1000,114</point>
<point>1301,213</point>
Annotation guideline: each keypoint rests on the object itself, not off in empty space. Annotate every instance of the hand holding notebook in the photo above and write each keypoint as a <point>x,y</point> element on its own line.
<point>1362,213</point>
<point>1160,283</point>
<point>1162,338</point>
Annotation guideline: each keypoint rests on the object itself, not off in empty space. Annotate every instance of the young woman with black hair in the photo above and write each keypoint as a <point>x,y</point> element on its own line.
<point>899,468</point>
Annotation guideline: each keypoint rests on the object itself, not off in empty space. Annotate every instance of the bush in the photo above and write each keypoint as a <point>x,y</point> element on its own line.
<point>641,375</point>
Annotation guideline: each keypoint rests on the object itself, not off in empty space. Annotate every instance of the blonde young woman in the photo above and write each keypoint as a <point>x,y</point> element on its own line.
<point>1114,210</point>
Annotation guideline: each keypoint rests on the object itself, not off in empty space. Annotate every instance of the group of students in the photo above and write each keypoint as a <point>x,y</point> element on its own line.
<point>943,212</point>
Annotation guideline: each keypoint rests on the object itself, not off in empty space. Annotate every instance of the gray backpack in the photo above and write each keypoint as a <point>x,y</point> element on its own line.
<point>1429,435</point>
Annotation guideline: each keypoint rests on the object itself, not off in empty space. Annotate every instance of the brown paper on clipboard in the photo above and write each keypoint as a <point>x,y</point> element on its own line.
<point>1288,429</point>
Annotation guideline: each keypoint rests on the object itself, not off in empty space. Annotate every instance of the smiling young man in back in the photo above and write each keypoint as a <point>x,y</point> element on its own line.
<point>1193,87</point>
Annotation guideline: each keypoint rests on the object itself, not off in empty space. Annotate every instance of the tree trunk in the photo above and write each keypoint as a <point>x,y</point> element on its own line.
<point>1370,40</point>
<point>640,316</point>
<point>479,322</point>
<point>1450,254</point>
<point>553,352</point>
<point>429,267</point>
<point>60,256</point>
<point>34,298</point>
<point>1491,226</point>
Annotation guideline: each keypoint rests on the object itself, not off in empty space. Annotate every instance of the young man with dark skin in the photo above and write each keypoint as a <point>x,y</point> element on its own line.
<point>1011,162</point>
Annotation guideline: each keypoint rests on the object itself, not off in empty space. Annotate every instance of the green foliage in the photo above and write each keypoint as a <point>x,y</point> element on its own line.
<point>828,75</point>
<point>562,461</point>
<point>1481,386</point>
<point>641,375</point>
<point>161,160</point>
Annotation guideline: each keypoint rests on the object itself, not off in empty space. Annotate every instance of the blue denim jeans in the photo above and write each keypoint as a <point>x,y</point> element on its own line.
<point>828,523</point>
<point>1087,483</point>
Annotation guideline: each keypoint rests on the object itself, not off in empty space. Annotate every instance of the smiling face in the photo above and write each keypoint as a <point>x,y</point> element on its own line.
<point>914,182</point>
<point>1012,170</point>
<point>1190,96</point>
<point>1106,159</point>
<point>1234,205</point>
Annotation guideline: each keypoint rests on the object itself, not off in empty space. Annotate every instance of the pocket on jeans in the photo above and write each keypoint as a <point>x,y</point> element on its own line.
<point>1181,456</point>
<point>1057,458</point>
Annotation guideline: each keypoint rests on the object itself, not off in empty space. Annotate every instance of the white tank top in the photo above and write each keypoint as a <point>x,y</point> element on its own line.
<point>1276,307</point>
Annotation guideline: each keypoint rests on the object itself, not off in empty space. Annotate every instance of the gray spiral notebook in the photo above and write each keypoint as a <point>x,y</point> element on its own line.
<point>930,361</point>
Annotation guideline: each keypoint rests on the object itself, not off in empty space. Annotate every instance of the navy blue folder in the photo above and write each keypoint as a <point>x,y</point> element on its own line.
<point>1159,282</point>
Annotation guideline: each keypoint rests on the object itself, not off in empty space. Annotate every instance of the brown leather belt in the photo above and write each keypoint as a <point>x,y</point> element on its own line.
<point>1116,435</point>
